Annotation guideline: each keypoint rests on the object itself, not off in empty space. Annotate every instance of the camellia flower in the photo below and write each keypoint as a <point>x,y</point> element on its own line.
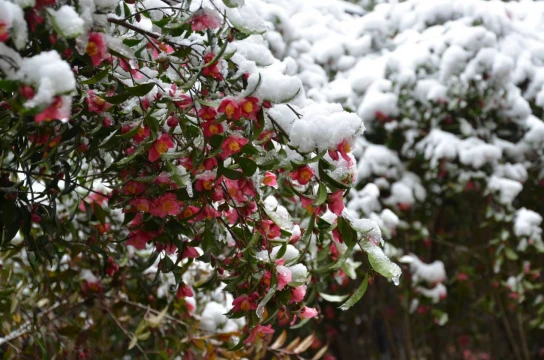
<point>141,205</point>
<point>133,188</point>
<point>188,212</point>
<point>211,69</point>
<point>233,145</point>
<point>336,202</point>
<point>184,291</point>
<point>308,313</point>
<point>160,146</point>
<point>141,135</point>
<point>189,252</point>
<point>303,175</point>
<point>96,103</point>
<point>4,31</point>
<point>284,276</point>
<point>166,204</point>
<point>231,109</point>
<point>205,20</point>
<point>297,294</point>
<point>52,112</point>
<point>269,179</point>
<point>211,128</point>
<point>207,113</point>
<point>250,107</point>
<point>245,302</point>
<point>125,65</point>
<point>96,48</point>
<point>205,181</point>
<point>258,331</point>
<point>344,148</point>
<point>269,229</point>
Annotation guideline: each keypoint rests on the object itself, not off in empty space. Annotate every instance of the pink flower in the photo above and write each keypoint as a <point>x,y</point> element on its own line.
<point>52,112</point>
<point>141,135</point>
<point>258,331</point>
<point>303,174</point>
<point>139,238</point>
<point>125,65</point>
<point>188,212</point>
<point>231,109</point>
<point>233,145</point>
<point>95,103</point>
<point>133,188</point>
<point>245,302</point>
<point>284,276</point>
<point>336,202</point>
<point>269,179</point>
<point>26,91</point>
<point>205,182</point>
<point>166,204</point>
<point>344,148</point>
<point>269,229</point>
<point>190,252</point>
<point>202,21</point>
<point>249,107</point>
<point>96,48</point>
<point>308,313</point>
<point>184,291</point>
<point>208,212</point>
<point>160,146</point>
<point>298,294</point>
<point>141,205</point>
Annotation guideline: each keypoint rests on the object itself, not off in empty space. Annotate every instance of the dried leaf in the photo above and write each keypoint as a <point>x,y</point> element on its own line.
<point>293,344</point>
<point>279,341</point>
<point>321,352</point>
<point>305,344</point>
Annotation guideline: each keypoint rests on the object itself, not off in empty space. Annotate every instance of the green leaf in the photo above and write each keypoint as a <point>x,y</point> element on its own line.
<point>167,264</point>
<point>181,52</point>
<point>8,85</point>
<point>321,195</point>
<point>248,166</point>
<point>141,90</point>
<point>229,173</point>
<point>265,300</point>
<point>305,239</point>
<point>510,254</point>
<point>327,178</point>
<point>356,296</point>
<point>102,74</point>
<point>300,324</point>
<point>117,99</point>
<point>99,213</point>
<point>233,3</point>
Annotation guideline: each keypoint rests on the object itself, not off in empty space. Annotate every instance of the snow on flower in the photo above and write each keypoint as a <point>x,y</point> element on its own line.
<point>205,19</point>
<point>96,103</point>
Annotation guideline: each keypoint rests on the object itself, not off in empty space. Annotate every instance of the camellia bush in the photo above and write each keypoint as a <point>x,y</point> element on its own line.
<point>450,166</point>
<point>167,190</point>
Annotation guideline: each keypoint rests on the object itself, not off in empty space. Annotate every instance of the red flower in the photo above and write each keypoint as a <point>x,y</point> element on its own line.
<point>344,148</point>
<point>96,103</point>
<point>233,145</point>
<point>250,108</point>
<point>33,19</point>
<point>52,112</point>
<point>205,182</point>
<point>4,33</point>
<point>245,302</point>
<point>231,109</point>
<point>258,331</point>
<point>96,48</point>
<point>190,252</point>
<point>125,65</point>
<point>26,91</point>
<point>160,146</point>
<point>303,175</point>
<point>141,135</point>
<point>210,128</point>
<point>202,21</point>
<point>188,212</point>
<point>207,113</point>
<point>211,69</point>
<point>166,204</point>
<point>269,229</point>
<point>184,291</point>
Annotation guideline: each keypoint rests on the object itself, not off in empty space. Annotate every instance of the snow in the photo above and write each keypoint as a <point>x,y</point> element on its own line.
<point>13,18</point>
<point>434,272</point>
<point>435,294</point>
<point>506,188</point>
<point>527,224</point>
<point>49,74</point>
<point>68,22</point>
